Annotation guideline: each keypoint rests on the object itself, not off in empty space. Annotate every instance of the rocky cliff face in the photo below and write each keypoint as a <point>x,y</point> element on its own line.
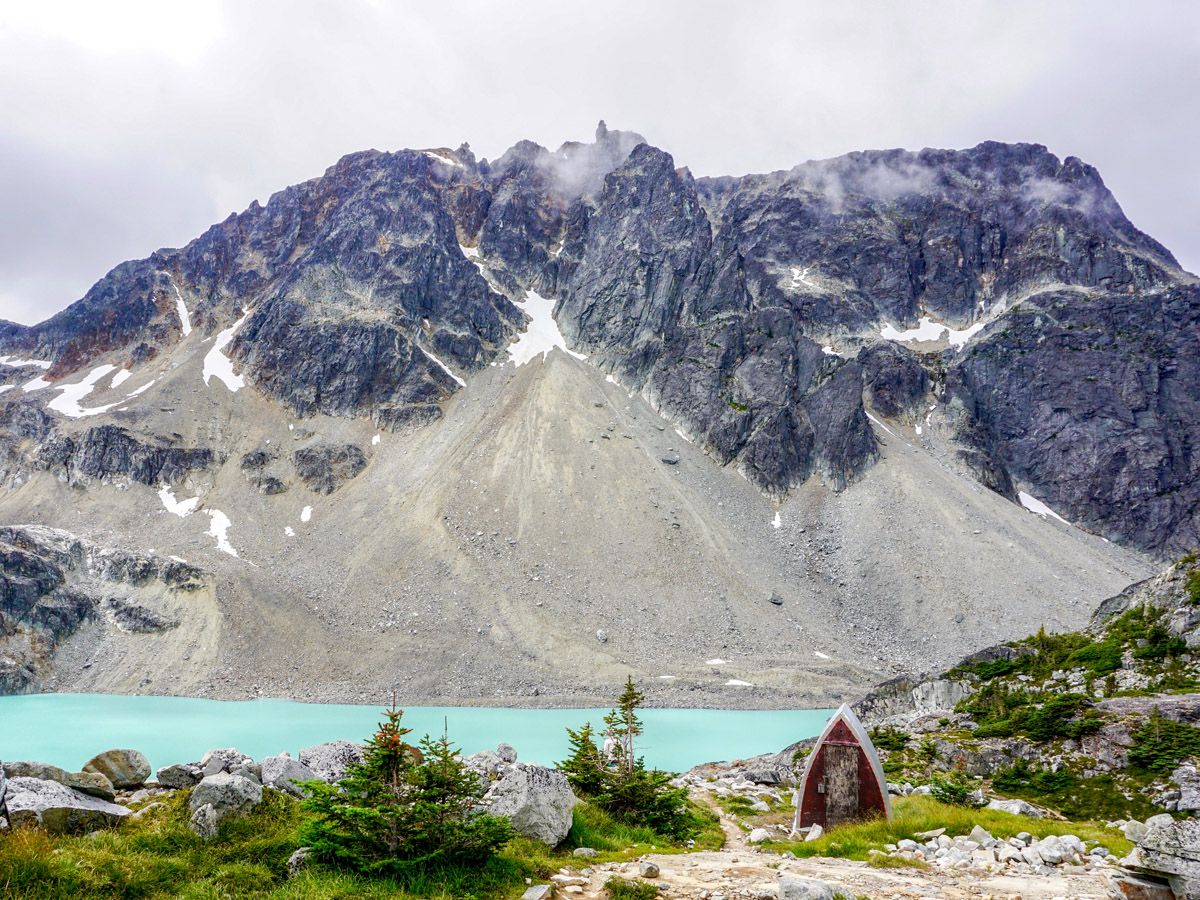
<point>737,306</point>
<point>51,583</point>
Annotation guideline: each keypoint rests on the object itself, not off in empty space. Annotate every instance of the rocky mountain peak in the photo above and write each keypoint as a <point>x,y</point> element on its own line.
<point>744,309</point>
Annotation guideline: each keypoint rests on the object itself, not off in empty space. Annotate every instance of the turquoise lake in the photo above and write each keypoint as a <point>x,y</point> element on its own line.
<point>68,729</point>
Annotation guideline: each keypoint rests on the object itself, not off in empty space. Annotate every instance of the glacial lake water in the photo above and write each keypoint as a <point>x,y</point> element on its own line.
<point>68,729</point>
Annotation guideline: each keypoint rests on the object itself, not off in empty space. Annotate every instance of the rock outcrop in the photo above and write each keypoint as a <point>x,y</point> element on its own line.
<point>51,582</point>
<point>107,451</point>
<point>1169,851</point>
<point>324,467</point>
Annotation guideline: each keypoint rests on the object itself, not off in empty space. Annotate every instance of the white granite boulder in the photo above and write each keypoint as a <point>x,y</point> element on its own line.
<point>58,808</point>
<point>330,760</point>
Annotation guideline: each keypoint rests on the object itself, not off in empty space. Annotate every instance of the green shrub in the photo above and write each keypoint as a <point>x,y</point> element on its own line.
<point>1161,744</point>
<point>953,790</point>
<point>1041,717</point>
<point>1021,776</point>
<point>620,889</point>
<point>1097,797</point>
<point>400,813</point>
<point>617,779</point>
<point>894,740</point>
<point>1193,587</point>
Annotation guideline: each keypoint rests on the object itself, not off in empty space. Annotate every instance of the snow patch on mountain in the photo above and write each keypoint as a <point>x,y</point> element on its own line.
<point>928,330</point>
<point>181,508</point>
<point>445,368</point>
<point>16,362</point>
<point>185,320</point>
<point>542,334</point>
<point>218,527</point>
<point>1034,505</point>
<point>218,365</point>
<point>67,401</point>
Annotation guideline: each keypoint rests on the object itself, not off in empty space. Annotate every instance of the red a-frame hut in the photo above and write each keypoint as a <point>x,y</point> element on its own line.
<point>843,780</point>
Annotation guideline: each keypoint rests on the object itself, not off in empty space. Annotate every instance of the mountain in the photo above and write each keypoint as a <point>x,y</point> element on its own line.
<point>514,428</point>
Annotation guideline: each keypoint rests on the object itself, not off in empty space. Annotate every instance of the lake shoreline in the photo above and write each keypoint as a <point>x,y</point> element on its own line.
<point>170,729</point>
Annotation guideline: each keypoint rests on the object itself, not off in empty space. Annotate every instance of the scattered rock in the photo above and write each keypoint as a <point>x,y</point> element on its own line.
<point>179,776</point>
<point>92,783</point>
<point>538,892</point>
<point>148,809</point>
<point>204,821</point>
<point>224,795</point>
<point>648,870</point>
<point>297,861</point>
<point>758,836</point>
<point>1134,830</point>
<point>813,833</point>
<point>585,852</point>
<point>1017,808</point>
<point>124,768</point>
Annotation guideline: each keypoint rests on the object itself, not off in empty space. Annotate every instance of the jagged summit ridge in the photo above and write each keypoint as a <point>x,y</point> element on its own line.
<point>739,307</point>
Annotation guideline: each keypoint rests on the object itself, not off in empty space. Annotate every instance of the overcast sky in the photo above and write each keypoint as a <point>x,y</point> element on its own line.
<point>128,126</point>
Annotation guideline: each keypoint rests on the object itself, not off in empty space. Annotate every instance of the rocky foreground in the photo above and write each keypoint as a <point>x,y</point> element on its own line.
<point>757,861</point>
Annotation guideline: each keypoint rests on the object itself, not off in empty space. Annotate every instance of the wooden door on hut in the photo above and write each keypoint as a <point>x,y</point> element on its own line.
<point>843,780</point>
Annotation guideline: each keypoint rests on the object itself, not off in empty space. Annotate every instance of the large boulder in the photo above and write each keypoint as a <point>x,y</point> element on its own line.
<point>283,773</point>
<point>58,808</point>
<point>92,783</point>
<point>124,768</point>
<point>331,759</point>
<point>228,794</point>
<point>538,801</point>
<point>1170,851</point>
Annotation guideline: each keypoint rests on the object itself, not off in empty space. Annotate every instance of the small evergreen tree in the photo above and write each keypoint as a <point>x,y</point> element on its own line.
<point>624,725</point>
<point>619,782</point>
<point>402,810</point>
<point>585,767</point>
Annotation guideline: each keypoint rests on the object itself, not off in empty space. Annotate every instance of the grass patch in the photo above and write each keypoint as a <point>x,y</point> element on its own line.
<point>916,814</point>
<point>159,857</point>
<point>883,861</point>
